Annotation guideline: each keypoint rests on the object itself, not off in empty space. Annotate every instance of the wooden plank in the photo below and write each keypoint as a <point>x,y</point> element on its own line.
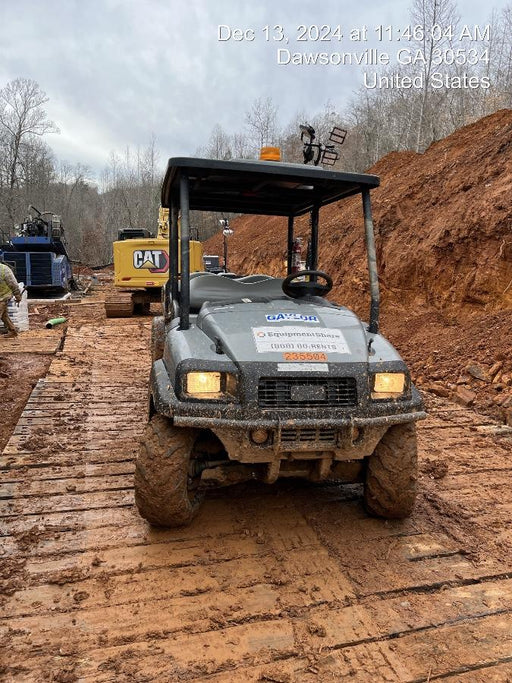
<point>68,473</point>
<point>28,425</point>
<point>322,585</point>
<point>57,409</point>
<point>68,502</point>
<point>369,662</point>
<point>63,535</point>
<point>91,519</point>
<point>490,672</point>
<point>456,649</point>
<point>140,557</point>
<point>30,488</point>
<point>38,460</point>
<point>264,640</point>
<point>40,342</point>
<point>73,440</point>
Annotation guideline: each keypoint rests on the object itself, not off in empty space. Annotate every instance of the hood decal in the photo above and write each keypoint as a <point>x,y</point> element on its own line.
<point>296,317</point>
<point>299,339</point>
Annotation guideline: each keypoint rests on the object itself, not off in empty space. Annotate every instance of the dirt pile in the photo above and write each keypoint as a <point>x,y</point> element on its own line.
<point>467,359</point>
<point>444,244</point>
<point>442,219</point>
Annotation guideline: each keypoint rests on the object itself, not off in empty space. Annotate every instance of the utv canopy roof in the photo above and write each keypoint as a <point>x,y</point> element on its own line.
<point>259,187</point>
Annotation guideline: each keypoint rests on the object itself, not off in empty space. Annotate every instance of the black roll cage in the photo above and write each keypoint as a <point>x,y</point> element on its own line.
<point>262,188</point>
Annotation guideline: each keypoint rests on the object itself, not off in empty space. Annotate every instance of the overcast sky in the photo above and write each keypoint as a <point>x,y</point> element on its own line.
<point>118,71</point>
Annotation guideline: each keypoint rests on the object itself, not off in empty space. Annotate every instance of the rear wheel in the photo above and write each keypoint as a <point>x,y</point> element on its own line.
<point>166,490</point>
<point>392,472</point>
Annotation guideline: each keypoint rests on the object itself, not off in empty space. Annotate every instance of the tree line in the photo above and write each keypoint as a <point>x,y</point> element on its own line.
<point>127,192</point>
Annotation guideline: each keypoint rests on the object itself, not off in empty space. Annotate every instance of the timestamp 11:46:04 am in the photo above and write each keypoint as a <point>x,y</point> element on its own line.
<point>325,33</point>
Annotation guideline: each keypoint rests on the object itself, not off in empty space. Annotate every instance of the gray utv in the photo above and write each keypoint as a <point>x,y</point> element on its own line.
<point>262,377</point>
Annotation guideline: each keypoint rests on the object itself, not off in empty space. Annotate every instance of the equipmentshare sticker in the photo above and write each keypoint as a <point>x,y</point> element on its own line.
<point>278,339</point>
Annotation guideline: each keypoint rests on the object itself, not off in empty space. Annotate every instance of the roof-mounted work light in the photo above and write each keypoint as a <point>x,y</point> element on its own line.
<point>338,135</point>
<point>330,156</point>
<point>318,152</point>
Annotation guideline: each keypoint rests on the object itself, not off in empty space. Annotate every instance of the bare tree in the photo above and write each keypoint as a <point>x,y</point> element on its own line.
<point>436,18</point>
<point>130,192</point>
<point>22,118</point>
<point>261,121</point>
<point>500,64</point>
<point>240,146</point>
<point>219,144</point>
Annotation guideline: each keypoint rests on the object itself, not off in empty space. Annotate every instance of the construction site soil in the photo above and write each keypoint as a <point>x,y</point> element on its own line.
<point>290,582</point>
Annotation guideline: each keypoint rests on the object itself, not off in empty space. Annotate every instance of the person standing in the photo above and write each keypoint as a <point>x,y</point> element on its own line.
<point>8,288</point>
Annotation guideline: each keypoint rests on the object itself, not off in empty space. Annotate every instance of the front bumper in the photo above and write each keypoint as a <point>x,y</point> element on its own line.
<point>249,415</point>
<point>323,434</point>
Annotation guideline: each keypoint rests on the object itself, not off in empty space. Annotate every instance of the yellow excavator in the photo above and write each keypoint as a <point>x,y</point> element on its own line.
<point>141,268</point>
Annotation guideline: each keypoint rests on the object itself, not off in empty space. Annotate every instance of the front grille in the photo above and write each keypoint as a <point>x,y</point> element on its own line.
<point>306,392</point>
<point>40,269</point>
<point>308,436</point>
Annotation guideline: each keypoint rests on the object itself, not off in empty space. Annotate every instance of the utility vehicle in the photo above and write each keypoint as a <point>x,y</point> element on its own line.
<point>264,377</point>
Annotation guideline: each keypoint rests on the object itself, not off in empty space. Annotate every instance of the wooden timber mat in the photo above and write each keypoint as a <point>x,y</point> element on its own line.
<point>32,342</point>
<point>290,582</point>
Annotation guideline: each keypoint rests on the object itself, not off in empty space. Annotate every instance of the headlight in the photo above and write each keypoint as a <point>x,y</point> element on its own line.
<point>199,383</point>
<point>388,385</point>
<point>209,384</point>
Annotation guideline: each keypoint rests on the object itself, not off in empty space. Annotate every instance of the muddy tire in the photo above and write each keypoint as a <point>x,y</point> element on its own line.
<point>157,338</point>
<point>165,494</point>
<point>391,474</point>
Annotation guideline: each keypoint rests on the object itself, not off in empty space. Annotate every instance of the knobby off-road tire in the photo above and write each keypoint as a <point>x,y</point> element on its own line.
<point>157,338</point>
<point>391,475</point>
<point>163,491</point>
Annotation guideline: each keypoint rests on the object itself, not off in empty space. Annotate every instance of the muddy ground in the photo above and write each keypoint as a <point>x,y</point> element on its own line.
<point>19,372</point>
<point>292,582</point>
<point>18,376</point>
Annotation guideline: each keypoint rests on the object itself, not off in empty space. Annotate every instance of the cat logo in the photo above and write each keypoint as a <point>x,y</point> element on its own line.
<point>154,260</point>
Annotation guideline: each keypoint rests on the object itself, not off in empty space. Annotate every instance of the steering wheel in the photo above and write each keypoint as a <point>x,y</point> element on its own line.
<point>306,288</point>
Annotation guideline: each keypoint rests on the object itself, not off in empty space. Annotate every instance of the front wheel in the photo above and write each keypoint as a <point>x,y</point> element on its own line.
<point>392,473</point>
<point>166,493</point>
<point>157,338</point>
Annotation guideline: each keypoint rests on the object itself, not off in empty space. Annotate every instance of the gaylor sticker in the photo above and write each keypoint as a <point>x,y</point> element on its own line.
<point>299,340</point>
<point>322,357</point>
<point>296,317</point>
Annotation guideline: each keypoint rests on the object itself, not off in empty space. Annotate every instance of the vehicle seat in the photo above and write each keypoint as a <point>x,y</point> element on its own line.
<point>220,290</point>
<point>198,273</point>
<point>257,277</point>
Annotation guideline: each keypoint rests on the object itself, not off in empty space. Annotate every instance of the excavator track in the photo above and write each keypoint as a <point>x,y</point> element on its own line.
<point>290,582</point>
<point>119,305</point>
